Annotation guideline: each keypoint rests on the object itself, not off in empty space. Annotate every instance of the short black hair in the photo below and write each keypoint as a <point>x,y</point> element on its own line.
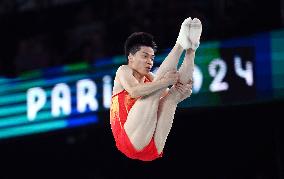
<point>136,40</point>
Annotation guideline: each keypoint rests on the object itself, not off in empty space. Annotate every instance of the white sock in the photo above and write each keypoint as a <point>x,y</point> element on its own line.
<point>183,37</point>
<point>195,30</point>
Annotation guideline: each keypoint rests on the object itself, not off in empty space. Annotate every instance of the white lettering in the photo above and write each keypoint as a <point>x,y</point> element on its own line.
<point>60,99</point>
<point>218,84</point>
<point>36,99</point>
<point>107,91</point>
<point>86,92</point>
<point>245,73</point>
<point>197,79</point>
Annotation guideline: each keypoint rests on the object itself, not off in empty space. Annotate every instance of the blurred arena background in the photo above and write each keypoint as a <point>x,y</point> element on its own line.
<point>57,63</point>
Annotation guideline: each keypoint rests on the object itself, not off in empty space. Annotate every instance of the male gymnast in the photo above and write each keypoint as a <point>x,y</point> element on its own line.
<point>143,106</point>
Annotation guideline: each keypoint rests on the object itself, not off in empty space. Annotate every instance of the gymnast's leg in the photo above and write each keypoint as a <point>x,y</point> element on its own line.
<point>142,118</point>
<point>168,103</point>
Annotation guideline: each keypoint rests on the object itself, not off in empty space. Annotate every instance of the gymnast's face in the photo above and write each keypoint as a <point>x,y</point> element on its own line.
<point>142,60</point>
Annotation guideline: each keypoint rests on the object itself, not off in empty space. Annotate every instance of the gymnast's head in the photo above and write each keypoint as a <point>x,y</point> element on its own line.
<point>140,51</point>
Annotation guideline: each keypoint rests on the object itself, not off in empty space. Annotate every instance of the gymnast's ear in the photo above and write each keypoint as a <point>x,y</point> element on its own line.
<point>130,58</point>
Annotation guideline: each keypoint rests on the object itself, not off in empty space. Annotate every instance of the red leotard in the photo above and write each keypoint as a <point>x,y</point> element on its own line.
<point>120,106</point>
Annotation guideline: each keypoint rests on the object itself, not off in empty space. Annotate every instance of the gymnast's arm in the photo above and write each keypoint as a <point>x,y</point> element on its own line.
<point>151,76</point>
<point>136,89</point>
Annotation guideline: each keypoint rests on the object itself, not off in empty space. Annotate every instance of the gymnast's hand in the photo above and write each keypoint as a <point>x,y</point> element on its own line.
<point>184,89</point>
<point>170,77</point>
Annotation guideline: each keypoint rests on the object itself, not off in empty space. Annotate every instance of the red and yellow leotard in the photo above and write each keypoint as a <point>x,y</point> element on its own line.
<point>120,106</point>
